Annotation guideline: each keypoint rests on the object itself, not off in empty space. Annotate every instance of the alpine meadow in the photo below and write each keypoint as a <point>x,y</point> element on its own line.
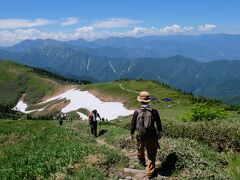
<point>120,90</point>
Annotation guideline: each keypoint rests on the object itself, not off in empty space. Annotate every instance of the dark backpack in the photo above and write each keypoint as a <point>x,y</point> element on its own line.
<point>144,123</point>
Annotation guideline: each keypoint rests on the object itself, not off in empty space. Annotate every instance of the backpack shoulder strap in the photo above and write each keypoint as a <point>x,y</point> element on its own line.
<point>150,110</point>
<point>138,111</point>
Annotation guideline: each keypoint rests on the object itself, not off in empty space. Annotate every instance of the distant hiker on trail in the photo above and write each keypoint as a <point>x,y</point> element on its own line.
<point>61,117</point>
<point>143,121</point>
<point>93,121</point>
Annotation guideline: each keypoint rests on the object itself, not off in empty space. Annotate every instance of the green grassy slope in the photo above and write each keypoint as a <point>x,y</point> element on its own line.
<point>17,79</point>
<point>44,150</point>
<point>181,102</point>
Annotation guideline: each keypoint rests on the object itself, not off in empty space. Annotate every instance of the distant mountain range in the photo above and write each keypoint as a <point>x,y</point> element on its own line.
<point>110,59</point>
<point>203,48</point>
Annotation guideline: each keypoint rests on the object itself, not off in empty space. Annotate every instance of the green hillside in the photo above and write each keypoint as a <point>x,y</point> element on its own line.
<point>127,91</point>
<point>15,80</point>
<point>206,147</point>
<point>31,84</point>
<point>220,89</point>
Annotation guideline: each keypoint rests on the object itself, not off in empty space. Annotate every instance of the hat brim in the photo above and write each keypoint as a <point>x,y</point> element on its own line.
<point>142,100</point>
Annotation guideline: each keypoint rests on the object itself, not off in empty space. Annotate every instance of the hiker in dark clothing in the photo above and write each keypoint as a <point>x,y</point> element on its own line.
<point>93,122</point>
<point>143,121</point>
<point>61,117</point>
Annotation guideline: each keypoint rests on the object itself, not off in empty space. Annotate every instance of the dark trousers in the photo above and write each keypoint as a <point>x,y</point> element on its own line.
<point>93,126</point>
<point>151,145</point>
<point>61,122</point>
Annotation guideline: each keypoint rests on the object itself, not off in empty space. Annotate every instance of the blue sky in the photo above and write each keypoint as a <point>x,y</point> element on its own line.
<point>92,19</point>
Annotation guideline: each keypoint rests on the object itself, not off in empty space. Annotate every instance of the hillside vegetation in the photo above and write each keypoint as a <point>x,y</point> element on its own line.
<point>15,80</point>
<point>172,103</point>
<point>40,149</point>
<point>204,147</point>
<point>175,113</point>
<point>43,149</point>
<point>30,85</point>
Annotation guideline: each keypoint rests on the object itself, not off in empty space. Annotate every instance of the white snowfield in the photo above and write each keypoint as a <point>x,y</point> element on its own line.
<point>21,106</point>
<point>84,99</point>
<point>83,116</point>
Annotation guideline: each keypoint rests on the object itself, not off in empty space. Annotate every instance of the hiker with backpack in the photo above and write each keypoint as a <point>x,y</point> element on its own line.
<point>143,121</point>
<point>93,121</point>
<point>61,117</point>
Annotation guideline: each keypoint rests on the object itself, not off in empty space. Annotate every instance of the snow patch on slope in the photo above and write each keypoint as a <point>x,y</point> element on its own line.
<point>110,63</point>
<point>22,106</point>
<point>129,68</point>
<point>84,99</point>
<point>83,116</point>
<point>88,63</point>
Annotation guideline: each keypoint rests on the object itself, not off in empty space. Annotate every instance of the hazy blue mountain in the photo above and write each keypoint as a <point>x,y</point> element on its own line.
<point>203,48</point>
<point>30,44</point>
<point>66,61</point>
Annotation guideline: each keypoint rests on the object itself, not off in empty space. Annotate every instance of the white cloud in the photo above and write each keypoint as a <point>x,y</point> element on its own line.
<point>9,37</point>
<point>188,29</point>
<point>12,37</point>
<point>174,29</point>
<point>142,30</point>
<point>70,21</point>
<point>206,27</point>
<point>86,32</point>
<point>21,23</point>
<point>85,29</point>
<point>115,23</point>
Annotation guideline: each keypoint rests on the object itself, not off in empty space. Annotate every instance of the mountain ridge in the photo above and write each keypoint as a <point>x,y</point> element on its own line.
<point>207,47</point>
<point>91,64</point>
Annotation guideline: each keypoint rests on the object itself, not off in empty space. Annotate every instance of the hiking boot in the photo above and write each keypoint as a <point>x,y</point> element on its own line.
<point>153,175</point>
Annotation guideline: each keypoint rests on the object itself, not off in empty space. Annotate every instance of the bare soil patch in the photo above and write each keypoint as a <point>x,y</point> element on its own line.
<point>61,89</point>
<point>107,98</point>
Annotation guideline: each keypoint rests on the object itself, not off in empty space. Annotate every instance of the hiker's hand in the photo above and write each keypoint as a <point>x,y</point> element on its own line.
<point>159,134</point>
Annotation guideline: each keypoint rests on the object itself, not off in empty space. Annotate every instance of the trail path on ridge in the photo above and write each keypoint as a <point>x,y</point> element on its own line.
<point>130,173</point>
<point>128,90</point>
<point>133,91</point>
<point>138,174</point>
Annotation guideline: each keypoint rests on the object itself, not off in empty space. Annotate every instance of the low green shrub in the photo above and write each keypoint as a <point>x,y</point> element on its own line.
<point>231,108</point>
<point>203,112</point>
<point>222,135</point>
<point>219,134</point>
<point>234,164</point>
<point>180,158</point>
<point>188,159</point>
